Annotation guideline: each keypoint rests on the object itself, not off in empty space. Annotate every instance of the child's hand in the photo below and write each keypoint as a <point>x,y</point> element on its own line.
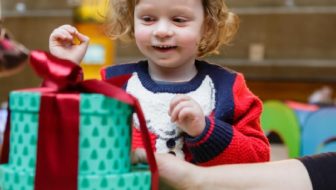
<point>62,45</point>
<point>139,156</point>
<point>188,115</point>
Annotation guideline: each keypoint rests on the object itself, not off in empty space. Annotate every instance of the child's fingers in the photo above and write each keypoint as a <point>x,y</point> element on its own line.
<point>81,37</point>
<point>192,123</point>
<point>185,113</point>
<point>74,32</point>
<point>139,156</point>
<point>71,32</point>
<point>60,34</point>
<point>69,28</point>
<point>64,35</point>
<point>176,111</point>
<point>176,100</point>
<point>65,32</point>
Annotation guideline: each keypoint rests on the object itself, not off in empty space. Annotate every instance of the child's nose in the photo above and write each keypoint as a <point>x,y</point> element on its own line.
<point>163,30</point>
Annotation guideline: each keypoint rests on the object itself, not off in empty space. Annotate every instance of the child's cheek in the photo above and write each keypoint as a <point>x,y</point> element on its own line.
<point>189,39</point>
<point>142,35</point>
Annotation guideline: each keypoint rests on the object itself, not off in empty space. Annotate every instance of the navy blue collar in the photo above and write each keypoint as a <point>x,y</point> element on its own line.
<point>183,87</point>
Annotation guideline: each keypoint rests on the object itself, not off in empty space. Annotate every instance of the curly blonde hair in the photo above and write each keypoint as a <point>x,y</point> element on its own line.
<point>219,29</point>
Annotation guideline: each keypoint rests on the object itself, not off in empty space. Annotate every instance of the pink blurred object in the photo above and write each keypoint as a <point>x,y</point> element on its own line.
<point>13,55</point>
<point>301,106</point>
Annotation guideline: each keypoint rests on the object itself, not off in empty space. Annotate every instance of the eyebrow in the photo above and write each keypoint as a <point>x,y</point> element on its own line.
<point>144,7</point>
<point>182,9</point>
<point>178,9</point>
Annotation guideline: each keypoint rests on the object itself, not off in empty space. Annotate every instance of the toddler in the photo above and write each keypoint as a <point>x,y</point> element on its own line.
<point>195,110</point>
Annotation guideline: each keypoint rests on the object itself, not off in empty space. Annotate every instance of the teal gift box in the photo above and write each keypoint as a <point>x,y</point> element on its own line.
<point>72,134</point>
<point>104,144</point>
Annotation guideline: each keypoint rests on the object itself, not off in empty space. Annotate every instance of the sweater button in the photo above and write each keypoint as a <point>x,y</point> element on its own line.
<point>171,143</point>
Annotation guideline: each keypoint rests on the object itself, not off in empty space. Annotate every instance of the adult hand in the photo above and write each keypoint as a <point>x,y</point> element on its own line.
<point>177,173</point>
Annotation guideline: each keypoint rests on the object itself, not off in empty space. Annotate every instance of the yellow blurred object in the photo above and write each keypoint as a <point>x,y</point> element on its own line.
<point>100,53</point>
<point>91,11</point>
<point>101,50</point>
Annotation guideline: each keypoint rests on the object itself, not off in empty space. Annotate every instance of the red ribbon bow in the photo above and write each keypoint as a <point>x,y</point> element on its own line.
<point>60,78</point>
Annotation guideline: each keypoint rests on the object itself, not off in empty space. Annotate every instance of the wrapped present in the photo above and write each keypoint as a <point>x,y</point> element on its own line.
<point>72,134</point>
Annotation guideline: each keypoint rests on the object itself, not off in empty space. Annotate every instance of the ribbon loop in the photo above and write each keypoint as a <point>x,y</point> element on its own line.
<point>57,73</point>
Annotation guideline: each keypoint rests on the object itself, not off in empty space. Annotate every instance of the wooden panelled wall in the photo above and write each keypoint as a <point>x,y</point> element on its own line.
<point>289,40</point>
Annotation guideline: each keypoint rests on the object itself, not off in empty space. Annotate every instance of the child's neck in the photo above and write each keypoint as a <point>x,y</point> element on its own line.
<point>181,74</point>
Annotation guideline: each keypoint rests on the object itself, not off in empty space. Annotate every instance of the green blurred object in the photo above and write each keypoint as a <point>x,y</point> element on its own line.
<point>277,117</point>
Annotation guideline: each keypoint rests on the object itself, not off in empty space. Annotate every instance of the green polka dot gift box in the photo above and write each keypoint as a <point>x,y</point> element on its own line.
<point>71,134</point>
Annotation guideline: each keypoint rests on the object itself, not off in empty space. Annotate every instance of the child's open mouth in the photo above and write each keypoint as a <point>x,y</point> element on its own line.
<point>164,48</point>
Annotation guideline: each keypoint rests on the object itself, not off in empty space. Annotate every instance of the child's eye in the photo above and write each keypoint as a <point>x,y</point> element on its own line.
<point>148,19</point>
<point>179,19</point>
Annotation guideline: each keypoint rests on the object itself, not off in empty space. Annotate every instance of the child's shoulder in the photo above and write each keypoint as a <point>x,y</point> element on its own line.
<point>217,70</point>
<point>117,70</point>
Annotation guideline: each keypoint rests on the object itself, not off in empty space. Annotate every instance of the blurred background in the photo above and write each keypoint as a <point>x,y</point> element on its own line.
<point>285,48</point>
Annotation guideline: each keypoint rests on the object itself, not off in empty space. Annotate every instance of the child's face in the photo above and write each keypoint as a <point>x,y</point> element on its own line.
<point>168,32</point>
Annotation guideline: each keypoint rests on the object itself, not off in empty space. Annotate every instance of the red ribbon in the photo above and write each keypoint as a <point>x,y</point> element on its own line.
<point>57,161</point>
<point>5,145</point>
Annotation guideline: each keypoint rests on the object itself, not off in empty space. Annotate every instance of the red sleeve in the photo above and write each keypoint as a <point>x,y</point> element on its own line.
<point>243,141</point>
<point>248,144</point>
<point>137,139</point>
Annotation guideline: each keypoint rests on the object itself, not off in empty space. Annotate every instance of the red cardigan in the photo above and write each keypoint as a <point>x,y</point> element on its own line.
<point>233,133</point>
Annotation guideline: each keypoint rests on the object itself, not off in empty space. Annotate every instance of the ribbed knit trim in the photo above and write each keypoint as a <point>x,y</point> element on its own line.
<point>194,141</point>
<point>218,140</point>
<point>117,70</point>
<point>183,87</point>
